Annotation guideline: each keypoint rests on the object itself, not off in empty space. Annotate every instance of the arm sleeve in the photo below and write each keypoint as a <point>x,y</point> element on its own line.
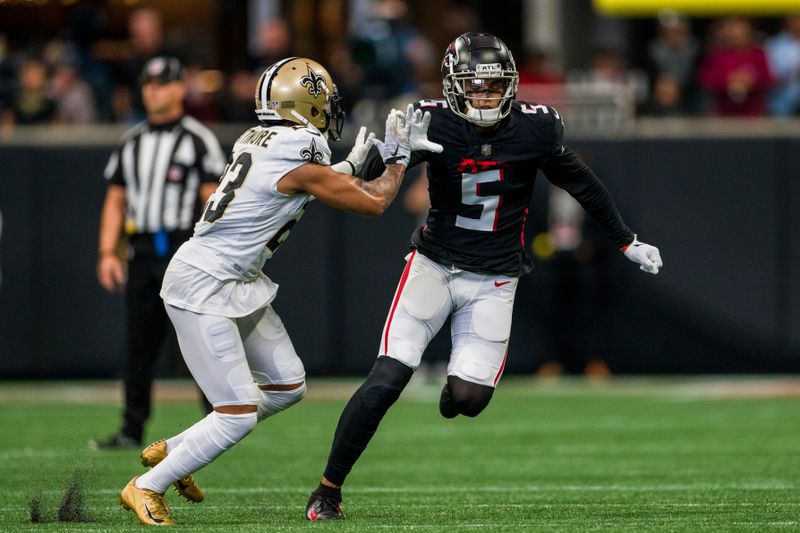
<point>374,167</point>
<point>567,171</point>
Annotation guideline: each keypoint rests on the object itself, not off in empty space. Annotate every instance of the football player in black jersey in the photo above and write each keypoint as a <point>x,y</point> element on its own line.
<point>467,257</point>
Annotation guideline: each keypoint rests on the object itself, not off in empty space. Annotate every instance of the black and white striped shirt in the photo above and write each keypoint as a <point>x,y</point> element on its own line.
<point>162,167</point>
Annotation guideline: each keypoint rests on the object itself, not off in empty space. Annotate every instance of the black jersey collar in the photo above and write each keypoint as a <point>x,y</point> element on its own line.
<point>165,126</point>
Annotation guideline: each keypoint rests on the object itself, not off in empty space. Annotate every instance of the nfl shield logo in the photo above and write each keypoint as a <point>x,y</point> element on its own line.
<point>486,149</point>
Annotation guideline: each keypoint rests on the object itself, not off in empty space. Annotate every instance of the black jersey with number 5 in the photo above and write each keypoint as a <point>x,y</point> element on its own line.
<point>481,186</point>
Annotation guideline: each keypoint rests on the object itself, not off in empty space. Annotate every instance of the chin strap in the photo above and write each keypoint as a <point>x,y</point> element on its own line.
<point>300,117</point>
<point>483,117</point>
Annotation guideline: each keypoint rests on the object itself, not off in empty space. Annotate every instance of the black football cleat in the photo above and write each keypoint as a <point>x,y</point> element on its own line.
<point>446,406</point>
<point>321,507</point>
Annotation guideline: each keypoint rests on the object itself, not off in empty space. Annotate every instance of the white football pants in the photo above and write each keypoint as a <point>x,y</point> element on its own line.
<point>481,306</point>
<point>230,357</point>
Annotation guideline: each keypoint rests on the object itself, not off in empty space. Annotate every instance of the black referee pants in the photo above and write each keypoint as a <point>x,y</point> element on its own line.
<point>149,331</point>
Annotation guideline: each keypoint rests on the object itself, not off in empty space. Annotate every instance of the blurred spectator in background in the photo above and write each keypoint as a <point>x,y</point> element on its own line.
<point>203,93</point>
<point>384,64</point>
<point>672,59</point>
<point>273,42</point>
<point>607,79</point>
<point>74,98</point>
<point>31,103</point>
<point>539,78</point>
<point>608,73</point>
<point>734,70</point>
<point>783,53</point>
<point>577,293</point>
<point>8,76</point>
<point>349,79</point>
<point>75,103</point>
<point>145,41</point>
<point>455,20</point>
<point>537,67</point>
<point>393,55</point>
<point>87,24</point>
<point>158,178</point>
<point>239,93</point>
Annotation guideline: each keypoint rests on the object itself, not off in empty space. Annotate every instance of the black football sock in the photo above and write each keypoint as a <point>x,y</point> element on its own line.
<point>363,413</point>
<point>329,492</point>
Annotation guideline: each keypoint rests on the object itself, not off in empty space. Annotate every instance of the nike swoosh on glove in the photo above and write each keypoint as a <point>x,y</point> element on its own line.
<point>647,256</point>
<point>418,123</point>
<point>355,159</point>
<point>396,146</point>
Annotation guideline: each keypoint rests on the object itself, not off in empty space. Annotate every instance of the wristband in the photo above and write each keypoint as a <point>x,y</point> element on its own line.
<point>340,167</point>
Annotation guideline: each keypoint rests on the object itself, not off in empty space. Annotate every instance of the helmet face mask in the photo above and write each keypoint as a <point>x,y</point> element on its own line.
<point>335,115</point>
<point>480,78</point>
<point>300,90</point>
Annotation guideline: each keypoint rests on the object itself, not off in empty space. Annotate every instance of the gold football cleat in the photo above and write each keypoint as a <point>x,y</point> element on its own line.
<point>149,506</point>
<point>186,487</point>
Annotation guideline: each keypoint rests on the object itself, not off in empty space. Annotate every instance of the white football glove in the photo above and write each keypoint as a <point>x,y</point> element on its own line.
<point>419,123</point>
<point>647,256</point>
<point>355,159</point>
<point>396,146</point>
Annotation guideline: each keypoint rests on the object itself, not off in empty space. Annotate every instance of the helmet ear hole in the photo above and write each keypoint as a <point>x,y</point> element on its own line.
<point>314,112</point>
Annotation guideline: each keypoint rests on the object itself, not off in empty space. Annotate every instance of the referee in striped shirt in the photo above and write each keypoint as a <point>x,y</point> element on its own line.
<point>158,179</point>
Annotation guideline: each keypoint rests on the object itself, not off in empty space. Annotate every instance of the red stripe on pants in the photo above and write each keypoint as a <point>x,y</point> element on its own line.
<point>400,286</point>
<point>502,366</point>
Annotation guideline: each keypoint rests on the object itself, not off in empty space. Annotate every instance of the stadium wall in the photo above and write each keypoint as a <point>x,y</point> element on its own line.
<point>720,209</point>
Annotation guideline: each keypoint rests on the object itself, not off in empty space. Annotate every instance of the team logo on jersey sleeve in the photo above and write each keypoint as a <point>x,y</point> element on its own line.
<point>314,82</point>
<point>311,153</point>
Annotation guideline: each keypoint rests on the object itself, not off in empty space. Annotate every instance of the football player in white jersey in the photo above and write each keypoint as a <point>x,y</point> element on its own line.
<point>214,290</point>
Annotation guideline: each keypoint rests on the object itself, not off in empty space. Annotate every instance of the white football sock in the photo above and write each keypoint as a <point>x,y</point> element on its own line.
<point>202,443</point>
<point>174,442</point>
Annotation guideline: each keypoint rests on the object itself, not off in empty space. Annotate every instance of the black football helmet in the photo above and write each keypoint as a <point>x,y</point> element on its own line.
<point>472,61</point>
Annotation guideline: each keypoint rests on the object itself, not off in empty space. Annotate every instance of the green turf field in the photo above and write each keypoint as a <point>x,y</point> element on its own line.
<point>624,455</point>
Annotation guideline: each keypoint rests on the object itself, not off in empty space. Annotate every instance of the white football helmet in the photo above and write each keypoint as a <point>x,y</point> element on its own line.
<point>300,90</point>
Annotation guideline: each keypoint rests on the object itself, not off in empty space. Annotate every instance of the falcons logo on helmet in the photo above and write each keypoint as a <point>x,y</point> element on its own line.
<point>314,82</point>
<point>450,58</point>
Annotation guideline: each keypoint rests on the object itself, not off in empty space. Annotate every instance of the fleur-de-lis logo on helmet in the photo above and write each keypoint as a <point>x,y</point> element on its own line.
<point>311,153</point>
<point>315,83</point>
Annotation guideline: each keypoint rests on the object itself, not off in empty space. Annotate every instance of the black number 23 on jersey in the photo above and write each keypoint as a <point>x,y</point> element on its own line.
<point>233,178</point>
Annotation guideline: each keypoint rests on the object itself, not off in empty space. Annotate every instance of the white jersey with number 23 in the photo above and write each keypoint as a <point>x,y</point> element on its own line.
<point>218,270</point>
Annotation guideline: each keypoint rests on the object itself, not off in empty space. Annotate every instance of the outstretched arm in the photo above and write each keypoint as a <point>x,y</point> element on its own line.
<point>567,171</point>
<point>345,192</point>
